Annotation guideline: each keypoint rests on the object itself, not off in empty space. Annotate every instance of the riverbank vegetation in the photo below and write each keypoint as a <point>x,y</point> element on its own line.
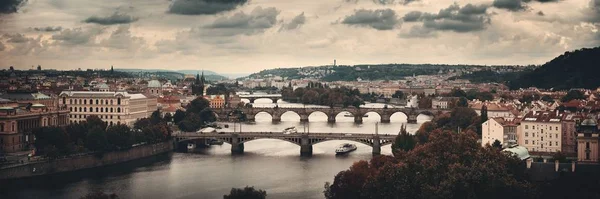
<point>246,193</point>
<point>94,135</point>
<point>198,114</point>
<point>319,94</point>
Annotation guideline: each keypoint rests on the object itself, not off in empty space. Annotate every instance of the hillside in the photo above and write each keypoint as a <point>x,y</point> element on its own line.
<point>174,74</point>
<point>577,69</point>
<point>366,72</point>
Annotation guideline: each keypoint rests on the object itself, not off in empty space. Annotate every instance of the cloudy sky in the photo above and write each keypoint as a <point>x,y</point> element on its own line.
<point>242,36</point>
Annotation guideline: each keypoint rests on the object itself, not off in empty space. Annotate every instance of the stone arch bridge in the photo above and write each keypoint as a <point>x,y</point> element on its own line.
<point>357,113</point>
<point>305,141</point>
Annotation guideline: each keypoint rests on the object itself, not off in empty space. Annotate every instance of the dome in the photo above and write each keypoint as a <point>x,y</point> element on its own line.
<point>102,86</point>
<point>520,151</point>
<point>589,122</point>
<point>154,84</point>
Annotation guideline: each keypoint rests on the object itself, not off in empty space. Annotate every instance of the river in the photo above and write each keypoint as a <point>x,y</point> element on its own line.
<point>271,165</point>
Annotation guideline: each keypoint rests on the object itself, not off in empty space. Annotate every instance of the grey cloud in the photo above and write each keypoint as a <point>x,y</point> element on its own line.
<point>454,18</point>
<point>540,13</point>
<point>11,6</point>
<point>295,23</point>
<point>412,16</point>
<point>377,19</point>
<point>23,45</point>
<point>241,23</point>
<point>203,7</point>
<point>390,2</point>
<point>16,38</point>
<point>2,47</point>
<point>418,32</point>
<point>76,36</point>
<point>115,18</point>
<point>121,38</point>
<point>512,5</point>
<point>48,29</point>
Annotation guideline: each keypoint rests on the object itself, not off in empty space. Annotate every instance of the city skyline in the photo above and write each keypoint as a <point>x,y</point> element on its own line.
<point>239,36</point>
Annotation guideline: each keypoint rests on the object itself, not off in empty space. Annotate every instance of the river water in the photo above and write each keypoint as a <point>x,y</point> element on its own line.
<point>271,165</point>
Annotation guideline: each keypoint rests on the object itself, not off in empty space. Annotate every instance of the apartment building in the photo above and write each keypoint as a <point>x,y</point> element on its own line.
<point>541,131</point>
<point>501,129</point>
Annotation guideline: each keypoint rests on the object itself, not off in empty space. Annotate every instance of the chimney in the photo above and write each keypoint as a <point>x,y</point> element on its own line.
<point>528,163</point>
<point>573,166</point>
<point>556,165</point>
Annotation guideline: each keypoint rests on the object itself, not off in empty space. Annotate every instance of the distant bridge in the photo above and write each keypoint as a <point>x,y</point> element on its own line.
<point>305,141</point>
<point>357,113</point>
<point>253,97</point>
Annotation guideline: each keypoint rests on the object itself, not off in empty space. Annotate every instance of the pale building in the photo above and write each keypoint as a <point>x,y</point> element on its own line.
<point>501,129</point>
<point>154,88</point>
<point>112,107</point>
<point>587,141</point>
<point>541,131</point>
<point>215,101</point>
<point>443,102</point>
<point>495,109</point>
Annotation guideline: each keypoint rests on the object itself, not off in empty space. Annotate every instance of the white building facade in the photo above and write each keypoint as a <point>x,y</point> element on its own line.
<point>541,131</point>
<point>111,107</point>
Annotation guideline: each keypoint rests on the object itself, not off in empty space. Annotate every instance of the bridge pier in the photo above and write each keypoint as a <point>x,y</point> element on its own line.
<point>306,148</point>
<point>412,118</point>
<point>358,119</point>
<point>276,118</point>
<point>250,117</point>
<point>251,100</point>
<point>331,118</point>
<point>303,118</point>
<point>376,146</point>
<point>236,146</point>
<point>385,118</point>
<point>274,100</point>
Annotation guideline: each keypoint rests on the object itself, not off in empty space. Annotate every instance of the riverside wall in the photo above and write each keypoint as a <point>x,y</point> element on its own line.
<point>40,168</point>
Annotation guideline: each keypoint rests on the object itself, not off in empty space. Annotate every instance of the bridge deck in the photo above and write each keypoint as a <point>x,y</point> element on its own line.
<point>281,135</point>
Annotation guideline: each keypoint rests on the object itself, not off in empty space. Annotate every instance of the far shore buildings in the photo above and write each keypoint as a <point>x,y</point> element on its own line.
<point>21,112</point>
<point>112,107</point>
<point>502,129</point>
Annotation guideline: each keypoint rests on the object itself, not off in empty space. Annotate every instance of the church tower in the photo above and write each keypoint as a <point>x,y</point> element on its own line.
<point>198,87</point>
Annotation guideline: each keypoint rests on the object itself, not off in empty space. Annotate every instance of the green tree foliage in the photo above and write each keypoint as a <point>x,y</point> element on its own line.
<point>197,105</point>
<point>398,94</point>
<point>119,137</point>
<point>168,117</point>
<point>560,156</point>
<point>404,141</point>
<point>246,193</point>
<point>424,131</point>
<point>93,121</point>
<point>425,102</point>
<point>218,89</point>
<point>449,166</point>
<point>459,117</point>
<point>191,123</point>
<point>529,97</point>
<point>490,76</point>
<point>462,102</point>
<point>483,118</point>
<point>54,138</point>
<point>573,95</point>
<point>96,140</point>
<point>316,93</point>
<point>497,145</point>
<point>179,116</point>
<point>156,117</point>
<point>457,92</point>
<point>547,98</point>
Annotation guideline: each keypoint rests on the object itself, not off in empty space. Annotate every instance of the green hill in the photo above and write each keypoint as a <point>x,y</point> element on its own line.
<point>577,69</point>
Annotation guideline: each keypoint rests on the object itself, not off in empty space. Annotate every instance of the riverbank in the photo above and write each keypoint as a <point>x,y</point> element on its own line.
<point>56,166</point>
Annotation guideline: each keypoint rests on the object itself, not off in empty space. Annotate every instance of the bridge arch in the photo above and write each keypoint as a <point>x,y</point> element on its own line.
<point>263,112</point>
<point>320,114</point>
<point>295,141</point>
<point>399,116</point>
<point>292,112</point>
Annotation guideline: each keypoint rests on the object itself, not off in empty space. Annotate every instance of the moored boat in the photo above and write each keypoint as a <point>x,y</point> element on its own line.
<point>345,148</point>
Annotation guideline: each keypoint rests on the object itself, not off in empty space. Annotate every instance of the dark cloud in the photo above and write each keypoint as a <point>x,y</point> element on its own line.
<point>241,23</point>
<point>2,47</point>
<point>11,6</point>
<point>115,18</point>
<point>48,29</point>
<point>15,38</point>
<point>454,18</point>
<point>203,7</point>
<point>540,13</point>
<point>22,45</point>
<point>412,16</point>
<point>76,36</point>
<point>377,19</point>
<point>122,38</point>
<point>295,23</point>
<point>517,5</point>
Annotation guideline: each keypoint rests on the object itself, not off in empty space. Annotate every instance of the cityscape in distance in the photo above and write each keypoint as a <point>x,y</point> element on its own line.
<point>343,99</point>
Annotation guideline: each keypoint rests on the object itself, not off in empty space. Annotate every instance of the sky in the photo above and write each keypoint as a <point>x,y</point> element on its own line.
<point>245,36</point>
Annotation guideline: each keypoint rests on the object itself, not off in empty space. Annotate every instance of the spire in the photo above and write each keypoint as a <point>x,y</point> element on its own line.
<point>202,80</point>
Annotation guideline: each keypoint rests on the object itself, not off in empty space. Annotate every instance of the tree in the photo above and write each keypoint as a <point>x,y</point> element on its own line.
<point>424,102</point>
<point>547,98</point>
<point>191,123</point>
<point>39,67</point>
<point>497,145</point>
<point>483,118</point>
<point>96,140</point>
<point>457,92</point>
<point>560,156</point>
<point>246,193</point>
<point>179,115</point>
<point>462,102</point>
<point>572,95</point>
<point>51,138</point>
<point>424,131</point>
<point>450,165</point>
<point>156,117</point>
<point>398,94</point>
<point>119,137</point>
<point>404,141</point>
<point>168,117</point>
<point>207,116</point>
<point>93,121</point>
<point>197,105</point>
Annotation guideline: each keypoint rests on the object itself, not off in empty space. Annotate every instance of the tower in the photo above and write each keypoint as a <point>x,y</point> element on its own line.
<point>198,87</point>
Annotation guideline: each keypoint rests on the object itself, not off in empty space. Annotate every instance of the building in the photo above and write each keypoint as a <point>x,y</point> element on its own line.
<point>587,141</point>
<point>215,101</point>
<point>154,88</point>
<point>17,123</point>
<point>443,102</point>
<point>541,131</point>
<point>495,109</point>
<point>501,129</point>
<point>112,107</point>
<point>570,122</point>
<point>198,88</point>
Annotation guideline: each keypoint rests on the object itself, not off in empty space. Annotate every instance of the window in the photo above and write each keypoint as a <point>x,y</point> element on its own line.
<point>533,142</point>
<point>542,146</point>
<point>97,102</point>
<point>64,100</point>
<point>70,101</point>
<point>532,134</point>
<point>542,138</point>
<point>550,143</point>
<point>84,101</point>
<point>111,109</point>
<point>79,109</point>
<point>542,131</point>
<point>84,109</point>
<point>526,134</point>
<point>526,127</point>
<point>91,109</point>
<point>96,109</point>
<point>71,109</point>
<point>532,127</point>
<point>556,143</point>
<point>557,128</point>
<point>118,101</point>
<point>118,109</point>
<point>91,102</point>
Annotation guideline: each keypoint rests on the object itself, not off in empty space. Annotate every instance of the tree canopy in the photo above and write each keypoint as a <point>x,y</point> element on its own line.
<point>246,193</point>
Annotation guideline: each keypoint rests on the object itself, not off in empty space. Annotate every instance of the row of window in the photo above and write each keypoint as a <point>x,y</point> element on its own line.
<point>98,110</point>
<point>533,127</point>
<point>542,145</point>
<point>548,135</point>
<point>84,101</point>
<point>100,116</point>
